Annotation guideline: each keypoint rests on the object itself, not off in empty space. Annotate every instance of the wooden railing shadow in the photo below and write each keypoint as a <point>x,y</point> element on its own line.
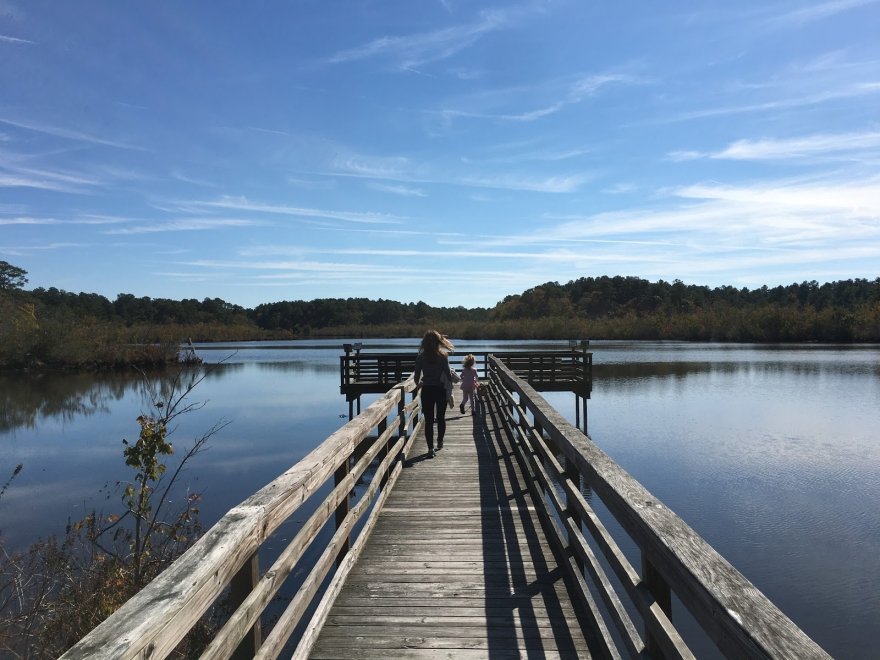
<point>506,524</point>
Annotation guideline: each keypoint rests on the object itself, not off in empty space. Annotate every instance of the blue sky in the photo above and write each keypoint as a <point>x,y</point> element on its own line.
<point>449,151</point>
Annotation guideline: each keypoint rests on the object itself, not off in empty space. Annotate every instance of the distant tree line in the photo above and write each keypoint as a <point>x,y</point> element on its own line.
<point>52,326</point>
<point>131,310</point>
<point>592,297</point>
<point>633,308</point>
<point>303,316</point>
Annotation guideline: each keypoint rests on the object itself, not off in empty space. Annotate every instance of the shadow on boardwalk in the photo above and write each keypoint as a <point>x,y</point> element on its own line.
<point>458,565</point>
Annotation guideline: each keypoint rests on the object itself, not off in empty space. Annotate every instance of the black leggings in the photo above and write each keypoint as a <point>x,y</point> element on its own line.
<point>434,405</point>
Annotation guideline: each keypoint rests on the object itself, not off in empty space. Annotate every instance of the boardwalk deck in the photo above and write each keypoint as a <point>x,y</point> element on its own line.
<point>451,557</point>
<point>457,565</point>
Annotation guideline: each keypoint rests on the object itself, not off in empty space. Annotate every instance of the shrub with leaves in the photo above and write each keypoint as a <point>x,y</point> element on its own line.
<point>55,592</point>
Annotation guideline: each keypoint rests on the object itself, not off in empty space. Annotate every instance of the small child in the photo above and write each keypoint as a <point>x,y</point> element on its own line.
<point>469,383</point>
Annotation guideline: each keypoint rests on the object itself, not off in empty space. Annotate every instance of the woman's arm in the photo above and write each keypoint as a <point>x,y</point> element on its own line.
<point>417,374</point>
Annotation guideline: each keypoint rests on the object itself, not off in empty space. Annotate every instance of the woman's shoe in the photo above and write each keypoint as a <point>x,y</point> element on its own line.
<point>431,453</point>
<point>439,445</point>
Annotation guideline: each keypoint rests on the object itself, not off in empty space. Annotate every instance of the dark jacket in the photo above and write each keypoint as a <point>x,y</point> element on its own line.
<point>430,370</point>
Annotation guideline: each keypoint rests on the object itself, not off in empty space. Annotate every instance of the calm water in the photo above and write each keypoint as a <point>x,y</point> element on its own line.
<point>771,453</point>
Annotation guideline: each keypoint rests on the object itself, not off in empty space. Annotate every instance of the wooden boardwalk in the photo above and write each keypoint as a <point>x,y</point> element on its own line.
<point>451,557</point>
<point>457,565</point>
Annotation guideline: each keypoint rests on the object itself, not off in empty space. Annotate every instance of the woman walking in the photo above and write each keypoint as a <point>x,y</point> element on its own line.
<point>432,371</point>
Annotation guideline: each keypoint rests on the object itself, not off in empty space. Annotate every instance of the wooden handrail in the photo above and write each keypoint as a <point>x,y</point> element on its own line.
<point>548,369</point>
<point>158,617</point>
<point>740,619</point>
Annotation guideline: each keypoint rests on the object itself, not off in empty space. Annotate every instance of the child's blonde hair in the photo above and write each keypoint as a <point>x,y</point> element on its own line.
<point>469,360</point>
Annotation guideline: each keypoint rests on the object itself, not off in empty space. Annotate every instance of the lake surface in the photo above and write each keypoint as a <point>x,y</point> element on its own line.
<point>771,453</point>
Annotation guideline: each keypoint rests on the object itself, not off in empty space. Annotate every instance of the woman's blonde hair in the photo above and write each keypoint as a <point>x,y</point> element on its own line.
<point>469,360</point>
<point>435,344</point>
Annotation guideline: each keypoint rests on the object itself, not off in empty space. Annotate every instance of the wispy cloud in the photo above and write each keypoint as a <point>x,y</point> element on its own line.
<point>24,250</point>
<point>243,204</point>
<point>46,181</point>
<point>414,50</point>
<point>817,12</point>
<point>404,171</point>
<point>23,220</point>
<point>848,91</point>
<point>270,131</point>
<point>566,93</point>
<point>540,156</point>
<point>188,224</point>
<point>620,189</point>
<point>353,274</point>
<point>68,134</point>
<point>403,191</point>
<point>827,144</point>
<point>704,228</point>
<point>15,40</point>
<point>180,176</point>
<point>798,147</point>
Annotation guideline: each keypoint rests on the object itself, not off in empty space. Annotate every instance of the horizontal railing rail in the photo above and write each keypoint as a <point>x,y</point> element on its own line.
<point>224,561</point>
<point>560,459</point>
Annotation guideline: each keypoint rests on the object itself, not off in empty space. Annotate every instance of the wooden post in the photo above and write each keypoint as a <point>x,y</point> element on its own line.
<point>573,475</point>
<point>662,594</point>
<point>342,509</point>
<point>383,426</point>
<point>401,414</point>
<point>577,411</point>
<point>584,404</point>
<point>240,587</point>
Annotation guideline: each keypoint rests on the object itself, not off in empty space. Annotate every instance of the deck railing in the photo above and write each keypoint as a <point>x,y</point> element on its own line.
<point>562,462</point>
<point>224,561</point>
<point>545,370</point>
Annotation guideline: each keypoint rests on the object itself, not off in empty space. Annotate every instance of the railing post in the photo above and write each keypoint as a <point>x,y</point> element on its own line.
<point>401,414</point>
<point>660,591</point>
<point>584,405</point>
<point>240,587</point>
<point>383,426</point>
<point>342,509</point>
<point>573,475</point>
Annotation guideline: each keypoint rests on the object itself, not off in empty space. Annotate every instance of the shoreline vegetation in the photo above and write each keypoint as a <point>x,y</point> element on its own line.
<point>56,329</point>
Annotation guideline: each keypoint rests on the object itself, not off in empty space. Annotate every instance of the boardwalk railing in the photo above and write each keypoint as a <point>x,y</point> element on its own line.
<point>562,462</point>
<point>556,370</point>
<point>224,561</point>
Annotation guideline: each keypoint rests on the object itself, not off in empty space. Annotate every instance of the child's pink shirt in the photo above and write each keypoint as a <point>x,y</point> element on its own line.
<point>469,380</point>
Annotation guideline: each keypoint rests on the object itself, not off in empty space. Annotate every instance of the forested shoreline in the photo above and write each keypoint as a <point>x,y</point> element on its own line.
<point>52,327</point>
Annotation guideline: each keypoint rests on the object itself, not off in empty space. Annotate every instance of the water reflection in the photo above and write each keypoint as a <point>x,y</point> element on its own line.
<point>772,453</point>
<point>27,399</point>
